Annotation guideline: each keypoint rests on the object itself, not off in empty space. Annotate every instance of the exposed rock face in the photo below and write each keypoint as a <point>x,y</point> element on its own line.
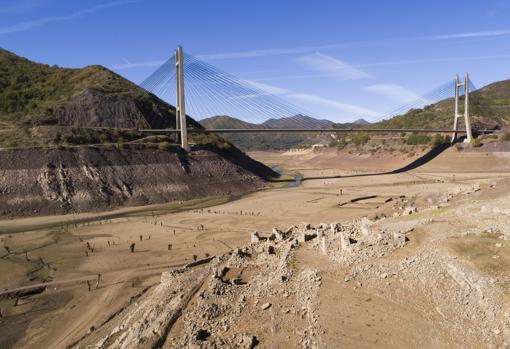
<point>94,108</point>
<point>49,99</point>
<point>88,179</point>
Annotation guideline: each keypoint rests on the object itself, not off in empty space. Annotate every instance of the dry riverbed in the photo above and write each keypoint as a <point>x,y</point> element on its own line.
<point>444,285</point>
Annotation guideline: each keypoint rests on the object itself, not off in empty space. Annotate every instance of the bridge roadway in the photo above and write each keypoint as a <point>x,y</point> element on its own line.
<point>274,130</point>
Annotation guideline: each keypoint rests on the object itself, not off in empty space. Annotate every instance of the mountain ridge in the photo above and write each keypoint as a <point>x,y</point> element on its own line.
<point>38,94</point>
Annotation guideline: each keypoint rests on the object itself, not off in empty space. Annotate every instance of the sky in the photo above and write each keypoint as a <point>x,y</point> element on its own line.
<point>339,60</point>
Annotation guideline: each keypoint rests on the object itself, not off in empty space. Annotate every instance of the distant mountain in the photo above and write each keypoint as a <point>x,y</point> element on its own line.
<point>361,122</point>
<point>298,121</point>
<point>266,141</point>
<point>224,121</point>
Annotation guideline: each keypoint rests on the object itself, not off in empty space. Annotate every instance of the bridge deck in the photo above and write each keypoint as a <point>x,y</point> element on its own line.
<point>274,130</point>
<point>283,130</point>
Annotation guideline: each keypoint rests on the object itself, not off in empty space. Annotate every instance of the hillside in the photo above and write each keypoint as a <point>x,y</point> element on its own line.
<point>39,103</point>
<point>57,158</point>
<point>361,122</point>
<point>489,108</point>
<point>297,121</point>
<point>265,141</point>
<point>34,94</point>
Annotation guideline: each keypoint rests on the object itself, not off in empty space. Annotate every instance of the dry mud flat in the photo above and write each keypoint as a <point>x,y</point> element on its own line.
<point>345,190</point>
<point>431,276</point>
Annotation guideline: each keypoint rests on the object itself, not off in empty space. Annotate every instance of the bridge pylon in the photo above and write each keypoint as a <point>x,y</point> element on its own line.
<point>467,123</point>
<point>180,111</point>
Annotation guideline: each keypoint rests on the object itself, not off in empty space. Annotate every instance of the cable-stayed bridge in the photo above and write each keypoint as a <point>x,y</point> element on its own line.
<point>201,90</point>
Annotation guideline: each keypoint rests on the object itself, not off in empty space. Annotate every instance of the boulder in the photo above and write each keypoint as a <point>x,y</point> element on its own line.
<point>345,241</point>
<point>255,237</point>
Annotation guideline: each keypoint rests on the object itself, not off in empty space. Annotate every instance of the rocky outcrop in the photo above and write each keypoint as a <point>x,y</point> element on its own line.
<point>89,179</point>
<point>271,292</point>
<point>95,107</point>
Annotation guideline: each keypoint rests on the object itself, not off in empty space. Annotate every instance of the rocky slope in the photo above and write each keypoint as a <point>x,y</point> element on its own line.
<point>86,179</point>
<point>37,94</point>
<point>52,162</point>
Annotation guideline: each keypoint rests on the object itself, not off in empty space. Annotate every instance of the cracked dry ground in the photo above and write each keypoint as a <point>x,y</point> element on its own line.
<point>434,275</point>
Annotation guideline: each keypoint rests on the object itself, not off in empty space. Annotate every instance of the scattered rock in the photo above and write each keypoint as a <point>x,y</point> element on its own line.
<point>306,236</point>
<point>202,335</point>
<point>255,237</point>
<point>345,241</point>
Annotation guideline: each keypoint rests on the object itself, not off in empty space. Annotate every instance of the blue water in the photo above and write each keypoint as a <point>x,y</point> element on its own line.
<point>290,184</point>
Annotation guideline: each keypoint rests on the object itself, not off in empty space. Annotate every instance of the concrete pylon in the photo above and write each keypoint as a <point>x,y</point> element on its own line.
<point>467,123</point>
<point>180,113</point>
<point>469,134</point>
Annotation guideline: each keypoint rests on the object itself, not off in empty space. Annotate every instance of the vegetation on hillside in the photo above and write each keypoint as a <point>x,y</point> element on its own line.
<point>265,141</point>
<point>31,94</point>
<point>489,108</point>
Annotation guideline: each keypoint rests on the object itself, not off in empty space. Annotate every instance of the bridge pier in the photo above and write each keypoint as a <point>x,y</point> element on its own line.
<point>467,123</point>
<point>180,111</point>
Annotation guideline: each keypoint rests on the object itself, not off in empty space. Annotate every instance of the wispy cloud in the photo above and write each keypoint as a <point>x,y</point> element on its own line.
<point>469,35</point>
<point>373,64</point>
<point>395,92</point>
<point>259,89</point>
<point>269,52</point>
<point>23,26</point>
<point>359,44</point>
<point>262,89</point>
<point>336,105</point>
<point>332,66</point>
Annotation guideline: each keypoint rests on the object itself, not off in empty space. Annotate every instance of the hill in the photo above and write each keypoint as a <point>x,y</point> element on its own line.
<point>265,141</point>
<point>361,122</point>
<point>37,94</point>
<point>297,121</point>
<point>489,108</point>
<point>50,163</point>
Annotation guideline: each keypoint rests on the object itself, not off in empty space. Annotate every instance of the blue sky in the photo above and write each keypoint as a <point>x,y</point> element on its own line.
<point>338,59</point>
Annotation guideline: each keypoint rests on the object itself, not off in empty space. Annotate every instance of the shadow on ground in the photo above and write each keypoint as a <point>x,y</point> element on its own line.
<point>422,160</point>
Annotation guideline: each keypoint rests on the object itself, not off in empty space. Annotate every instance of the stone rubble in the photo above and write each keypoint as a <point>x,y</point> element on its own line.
<point>241,299</point>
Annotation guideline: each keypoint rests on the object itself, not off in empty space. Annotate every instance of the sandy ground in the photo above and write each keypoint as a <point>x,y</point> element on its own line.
<point>54,249</point>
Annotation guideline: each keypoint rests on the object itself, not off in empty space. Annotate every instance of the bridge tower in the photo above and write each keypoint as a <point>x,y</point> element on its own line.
<point>458,85</point>
<point>180,112</point>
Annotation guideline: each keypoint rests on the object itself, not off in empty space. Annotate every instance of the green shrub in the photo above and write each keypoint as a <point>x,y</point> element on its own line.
<point>360,139</point>
<point>164,145</point>
<point>417,139</point>
<point>475,142</point>
<point>505,136</point>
